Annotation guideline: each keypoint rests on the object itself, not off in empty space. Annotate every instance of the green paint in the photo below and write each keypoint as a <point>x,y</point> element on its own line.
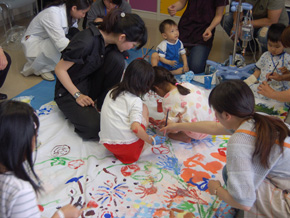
<point>186,206</point>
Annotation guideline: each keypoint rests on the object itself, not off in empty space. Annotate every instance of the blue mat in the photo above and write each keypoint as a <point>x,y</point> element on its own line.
<point>42,93</point>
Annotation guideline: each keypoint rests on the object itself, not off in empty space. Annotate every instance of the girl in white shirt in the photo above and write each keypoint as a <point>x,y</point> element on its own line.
<point>18,131</point>
<point>124,117</point>
<point>46,36</point>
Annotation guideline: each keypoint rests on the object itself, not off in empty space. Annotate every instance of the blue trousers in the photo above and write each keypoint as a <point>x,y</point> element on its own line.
<point>197,58</point>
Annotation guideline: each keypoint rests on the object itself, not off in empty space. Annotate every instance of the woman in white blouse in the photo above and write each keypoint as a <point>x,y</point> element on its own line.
<point>48,34</point>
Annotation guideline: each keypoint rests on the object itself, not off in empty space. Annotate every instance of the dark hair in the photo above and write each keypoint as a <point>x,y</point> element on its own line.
<point>137,80</point>
<point>285,38</point>
<point>117,2</point>
<point>236,98</point>
<point>18,125</point>
<point>275,32</point>
<point>80,4</point>
<point>163,77</point>
<point>129,24</point>
<point>165,22</point>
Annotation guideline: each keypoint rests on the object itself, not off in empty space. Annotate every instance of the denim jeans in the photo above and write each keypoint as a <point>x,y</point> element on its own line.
<point>197,58</point>
<point>260,33</point>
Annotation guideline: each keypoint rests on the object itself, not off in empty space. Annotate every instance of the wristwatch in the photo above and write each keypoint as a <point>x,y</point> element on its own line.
<point>77,94</point>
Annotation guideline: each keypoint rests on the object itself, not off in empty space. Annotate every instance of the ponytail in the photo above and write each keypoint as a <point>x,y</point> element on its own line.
<point>236,98</point>
<point>270,131</point>
<point>181,89</point>
<point>164,76</point>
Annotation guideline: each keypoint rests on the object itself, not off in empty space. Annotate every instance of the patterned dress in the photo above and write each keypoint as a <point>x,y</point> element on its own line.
<point>188,108</point>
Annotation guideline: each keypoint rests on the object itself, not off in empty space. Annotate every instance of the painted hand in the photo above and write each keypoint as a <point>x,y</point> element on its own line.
<point>159,139</point>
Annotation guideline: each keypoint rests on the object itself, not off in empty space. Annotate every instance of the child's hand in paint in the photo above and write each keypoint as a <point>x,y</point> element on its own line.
<point>158,140</point>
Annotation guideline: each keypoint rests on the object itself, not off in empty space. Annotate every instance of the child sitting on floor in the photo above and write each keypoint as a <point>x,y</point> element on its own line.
<point>18,131</point>
<point>273,61</point>
<point>124,117</point>
<point>170,49</point>
<point>185,103</point>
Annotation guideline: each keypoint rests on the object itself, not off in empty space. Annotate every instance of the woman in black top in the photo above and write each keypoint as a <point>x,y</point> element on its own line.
<point>91,65</point>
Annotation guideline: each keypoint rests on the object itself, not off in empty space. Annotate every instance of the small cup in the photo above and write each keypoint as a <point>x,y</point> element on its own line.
<point>159,105</point>
<point>207,82</point>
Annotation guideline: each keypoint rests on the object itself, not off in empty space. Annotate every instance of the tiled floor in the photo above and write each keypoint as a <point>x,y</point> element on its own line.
<point>16,83</point>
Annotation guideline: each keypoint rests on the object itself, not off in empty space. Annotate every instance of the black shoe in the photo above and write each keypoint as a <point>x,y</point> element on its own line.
<point>3,96</point>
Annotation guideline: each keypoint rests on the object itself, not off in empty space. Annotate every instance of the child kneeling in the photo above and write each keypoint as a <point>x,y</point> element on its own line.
<point>184,102</point>
<point>124,117</point>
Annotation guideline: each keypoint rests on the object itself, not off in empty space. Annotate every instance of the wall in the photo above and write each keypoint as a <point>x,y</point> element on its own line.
<point>147,5</point>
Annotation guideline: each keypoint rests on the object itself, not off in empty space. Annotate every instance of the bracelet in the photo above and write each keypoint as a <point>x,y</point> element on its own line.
<point>215,191</point>
<point>60,213</point>
<point>153,140</point>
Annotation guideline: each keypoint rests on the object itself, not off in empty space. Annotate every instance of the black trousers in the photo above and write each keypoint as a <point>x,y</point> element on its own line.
<point>3,73</point>
<point>86,120</point>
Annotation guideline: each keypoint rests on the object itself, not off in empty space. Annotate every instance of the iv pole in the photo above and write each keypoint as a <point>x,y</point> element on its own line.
<point>239,10</point>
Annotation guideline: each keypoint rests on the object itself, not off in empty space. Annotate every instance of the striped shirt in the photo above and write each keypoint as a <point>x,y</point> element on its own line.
<point>18,199</point>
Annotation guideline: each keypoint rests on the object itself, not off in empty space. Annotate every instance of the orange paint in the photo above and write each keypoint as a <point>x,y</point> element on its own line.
<point>219,157</point>
<point>194,175</point>
<point>213,166</point>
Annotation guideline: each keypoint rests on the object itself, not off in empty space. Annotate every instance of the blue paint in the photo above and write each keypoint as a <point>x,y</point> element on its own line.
<point>170,163</point>
<point>74,179</point>
<point>107,215</point>
<point>202,186</point>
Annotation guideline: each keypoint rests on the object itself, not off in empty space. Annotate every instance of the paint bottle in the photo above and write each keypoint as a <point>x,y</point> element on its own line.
<point>159,105</point>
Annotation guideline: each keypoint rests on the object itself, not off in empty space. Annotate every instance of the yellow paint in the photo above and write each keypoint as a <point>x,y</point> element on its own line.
<point>137,206</point>
<point>181,214</point>
<point>164,4</point>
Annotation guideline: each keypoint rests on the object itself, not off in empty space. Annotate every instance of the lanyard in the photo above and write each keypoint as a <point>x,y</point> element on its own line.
<point>281,56</point>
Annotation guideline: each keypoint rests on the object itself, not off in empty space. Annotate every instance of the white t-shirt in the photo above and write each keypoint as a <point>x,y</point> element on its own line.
<point>117,117</point>
<point>18,199</point>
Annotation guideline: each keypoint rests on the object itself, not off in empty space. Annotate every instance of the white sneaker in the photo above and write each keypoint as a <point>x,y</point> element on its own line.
<point>47,76</point>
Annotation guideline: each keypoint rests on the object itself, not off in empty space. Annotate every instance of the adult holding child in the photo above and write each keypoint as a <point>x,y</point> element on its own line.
<point>49,33</point>
<point>92,64</point>
<point>197,28</point>
<point>257,173</point>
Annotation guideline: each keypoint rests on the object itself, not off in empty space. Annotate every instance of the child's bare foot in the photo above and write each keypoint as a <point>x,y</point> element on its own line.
<point>180,136</point>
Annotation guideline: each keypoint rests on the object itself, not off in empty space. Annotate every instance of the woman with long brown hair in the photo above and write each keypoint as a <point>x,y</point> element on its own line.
<point>257,172</point>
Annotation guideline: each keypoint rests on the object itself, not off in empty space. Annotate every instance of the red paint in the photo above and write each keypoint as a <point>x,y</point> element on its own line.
<point>162,149</point>
<point>135,130</point>
<point>128,170</point>
<point>92,204</point>
<point>40,207</point>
